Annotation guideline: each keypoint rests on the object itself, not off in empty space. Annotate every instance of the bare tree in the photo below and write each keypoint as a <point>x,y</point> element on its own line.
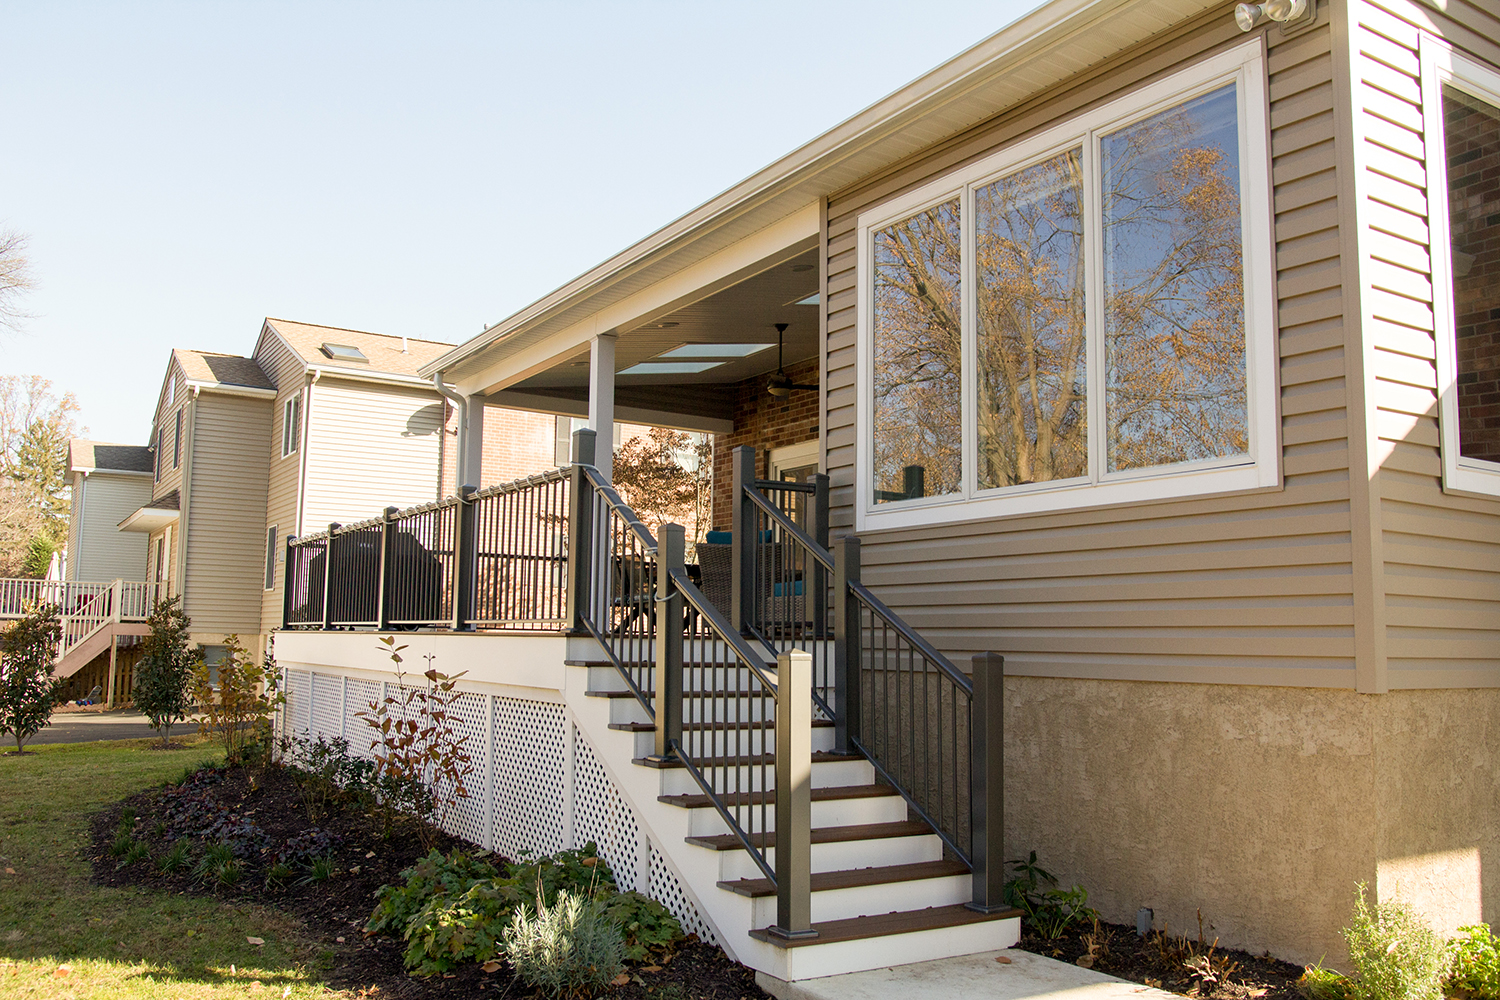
<point>15,278</point>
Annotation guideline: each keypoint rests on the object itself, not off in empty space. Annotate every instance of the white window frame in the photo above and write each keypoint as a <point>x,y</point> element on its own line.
<point>1440,66</point>
<point>291,425</point>
<point>1259,468</point>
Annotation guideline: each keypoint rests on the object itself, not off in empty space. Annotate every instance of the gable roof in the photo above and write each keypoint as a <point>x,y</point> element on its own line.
<point>101,456</point>
<point>385,352</point>
<point>227,369</point>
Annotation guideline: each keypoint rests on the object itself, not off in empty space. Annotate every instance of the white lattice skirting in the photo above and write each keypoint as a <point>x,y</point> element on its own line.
<point>538,785</point>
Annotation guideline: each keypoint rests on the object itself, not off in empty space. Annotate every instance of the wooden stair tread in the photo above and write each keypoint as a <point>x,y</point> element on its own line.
<point>885,924</point>
<point>818,757</point>
<point>820,835</point>
<point>650,727</point>
<point>837,792</point>
<point>854,877</point>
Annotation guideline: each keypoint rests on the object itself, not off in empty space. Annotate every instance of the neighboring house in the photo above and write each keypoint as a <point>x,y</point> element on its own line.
<point>1154,354</point>
<point>109,482</point>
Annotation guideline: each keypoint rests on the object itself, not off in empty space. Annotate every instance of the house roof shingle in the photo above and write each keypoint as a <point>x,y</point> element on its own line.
<point>229,369</point>
<point>100,455</point>
<point>384,352</point>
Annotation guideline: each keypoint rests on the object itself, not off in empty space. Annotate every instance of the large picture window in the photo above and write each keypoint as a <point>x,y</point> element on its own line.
<point>1463,153</point>
<point>1084,318</point>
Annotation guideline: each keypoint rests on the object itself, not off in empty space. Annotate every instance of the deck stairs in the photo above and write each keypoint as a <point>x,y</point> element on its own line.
<point>883,893</point>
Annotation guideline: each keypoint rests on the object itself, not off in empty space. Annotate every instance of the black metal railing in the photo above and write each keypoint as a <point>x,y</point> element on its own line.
<point>929,730</point>
<point>496,558</point>
<point>612,574</point>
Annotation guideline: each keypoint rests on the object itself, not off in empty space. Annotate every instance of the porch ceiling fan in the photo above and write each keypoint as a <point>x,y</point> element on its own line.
<point>780,384</point>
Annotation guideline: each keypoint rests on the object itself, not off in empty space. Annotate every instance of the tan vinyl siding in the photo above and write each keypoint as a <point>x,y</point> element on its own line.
<point>1441,552</point>
<point>100,551</point>
<point>368,447</point>
<point>75,524</point>
<point>226,513</point>
<point>287,371</point>
<point>166,420</point>
<point>1233,589</point>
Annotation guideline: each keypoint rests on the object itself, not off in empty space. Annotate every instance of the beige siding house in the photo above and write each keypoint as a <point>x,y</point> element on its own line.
<point>110,481</point>
<point>1156,353</point>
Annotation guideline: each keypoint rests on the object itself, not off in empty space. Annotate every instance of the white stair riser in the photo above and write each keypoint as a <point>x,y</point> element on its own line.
<point>707,822</point>
<point>697,710</point>
<point>749,741</point>
<point>791,964</point>
<point>868,900</point>
<point>841,856</point>
<point>694,678</point>
<point>825,774</point>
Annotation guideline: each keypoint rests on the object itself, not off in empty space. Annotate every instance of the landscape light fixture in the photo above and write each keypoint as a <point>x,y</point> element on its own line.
<point>1249,16</point>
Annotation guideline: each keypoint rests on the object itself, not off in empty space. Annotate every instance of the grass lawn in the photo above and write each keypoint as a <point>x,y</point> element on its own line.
<point>61,937</point>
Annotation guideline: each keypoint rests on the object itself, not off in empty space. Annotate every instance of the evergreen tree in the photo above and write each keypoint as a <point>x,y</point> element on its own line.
<point>165,670</point>
<point>27,691</point>
<point>38,556</point>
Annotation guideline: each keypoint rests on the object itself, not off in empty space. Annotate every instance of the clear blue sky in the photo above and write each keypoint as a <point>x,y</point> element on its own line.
<point>184,170</point>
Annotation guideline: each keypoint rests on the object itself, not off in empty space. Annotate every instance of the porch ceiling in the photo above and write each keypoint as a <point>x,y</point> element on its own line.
<point>744,313</point>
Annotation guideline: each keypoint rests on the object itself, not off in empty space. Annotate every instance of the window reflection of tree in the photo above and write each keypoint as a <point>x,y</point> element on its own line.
<point>1174,289</point>
<point>918,353</point>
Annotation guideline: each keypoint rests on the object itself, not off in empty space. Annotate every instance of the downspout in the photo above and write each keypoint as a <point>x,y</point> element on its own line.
<point>185,498</point>
<point>305,419</point>
<point>460,470</point>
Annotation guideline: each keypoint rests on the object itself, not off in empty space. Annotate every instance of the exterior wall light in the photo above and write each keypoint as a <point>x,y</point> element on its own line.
<point>1249,16</point>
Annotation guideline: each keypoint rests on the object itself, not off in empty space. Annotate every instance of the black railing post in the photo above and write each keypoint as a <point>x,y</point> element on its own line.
<point>383,592</point>
<point>465,553</point>
<point>742,586</point>
<point>580,530</point>
<point>328,577</point>
<point>987,783</point>
<point>286,584</point>
<point>671,546</point>
<point>914,481</point>
<point>817,587</point>
<point>794,796</point>
<point>846,638</point>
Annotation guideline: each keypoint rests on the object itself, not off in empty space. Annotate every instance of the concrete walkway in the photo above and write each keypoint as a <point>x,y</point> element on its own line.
<point>974,977</point>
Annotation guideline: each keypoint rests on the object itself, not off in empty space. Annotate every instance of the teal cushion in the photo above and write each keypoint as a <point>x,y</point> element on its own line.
<point>719,537</point>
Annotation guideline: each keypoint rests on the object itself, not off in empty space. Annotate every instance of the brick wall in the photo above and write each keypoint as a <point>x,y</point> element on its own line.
<point>763,422</point>
<point>1474,207</point>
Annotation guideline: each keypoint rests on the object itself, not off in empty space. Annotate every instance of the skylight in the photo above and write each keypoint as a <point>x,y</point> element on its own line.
<point>343,352</point>
<point>715,350</point>
<point>811,300</point>
<point>671,367</point>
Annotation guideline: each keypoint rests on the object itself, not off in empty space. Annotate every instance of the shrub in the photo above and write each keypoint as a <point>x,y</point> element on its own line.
<point>1320,983</point>
<point>27,691</point>
<point>570,949</point>
<point>301,850</point>
<point>165,670</point>
<point>1475,967</point>
<point>579,871</point>
<point>237,710</point>
<point>421,760</point>
<point>325,771</point>
<point>1049,912</point>
<point>454,930</point>
<point>646,925</point>
<point>190,810</point>
<point>435,874</point>
<point>1395,954</point>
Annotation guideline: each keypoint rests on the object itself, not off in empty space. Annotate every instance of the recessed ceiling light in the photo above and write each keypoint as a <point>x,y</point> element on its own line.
<point>799,268</point>
<point>671,367</point>
<point>666,325</point>
<point>715,350</point>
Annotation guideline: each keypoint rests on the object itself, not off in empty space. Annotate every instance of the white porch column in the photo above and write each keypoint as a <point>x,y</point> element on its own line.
<point>471,444</point>
<point>602,400</point>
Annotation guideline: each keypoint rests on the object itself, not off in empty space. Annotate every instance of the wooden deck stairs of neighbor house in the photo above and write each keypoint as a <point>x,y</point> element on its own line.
<point>93,615</point>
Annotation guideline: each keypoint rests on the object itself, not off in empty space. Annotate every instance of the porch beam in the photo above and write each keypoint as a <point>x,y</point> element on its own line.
<point>511,399</point>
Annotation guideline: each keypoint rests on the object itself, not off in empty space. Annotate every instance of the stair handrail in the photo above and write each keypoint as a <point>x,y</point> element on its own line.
<point>713,750</point>
<point>911,685</point>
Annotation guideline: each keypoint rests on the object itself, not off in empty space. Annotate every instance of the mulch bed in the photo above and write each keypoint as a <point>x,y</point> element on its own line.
<point>334,911</point>
<point>1162,960</point>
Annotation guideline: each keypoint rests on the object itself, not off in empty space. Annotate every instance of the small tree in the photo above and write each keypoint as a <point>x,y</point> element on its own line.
<point>38,558</point>
<point>165,672</point>
<point>238,705</point>
<point>27,691</point>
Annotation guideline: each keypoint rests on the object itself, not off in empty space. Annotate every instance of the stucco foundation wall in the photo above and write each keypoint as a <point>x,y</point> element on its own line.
<point>1261,806</point>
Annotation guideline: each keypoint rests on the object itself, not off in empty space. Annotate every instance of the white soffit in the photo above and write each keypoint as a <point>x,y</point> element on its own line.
<point>1041,50</point>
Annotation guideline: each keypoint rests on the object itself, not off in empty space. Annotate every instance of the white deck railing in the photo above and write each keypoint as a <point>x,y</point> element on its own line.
<point>85,607</point>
